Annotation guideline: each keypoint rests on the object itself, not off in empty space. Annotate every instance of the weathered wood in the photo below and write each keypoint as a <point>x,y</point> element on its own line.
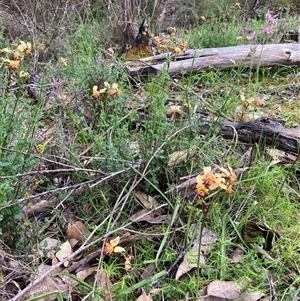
<point>268,131</point>
<point>219,58</point>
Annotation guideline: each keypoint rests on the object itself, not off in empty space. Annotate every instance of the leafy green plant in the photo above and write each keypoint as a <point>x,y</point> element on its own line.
<point>17,130</point>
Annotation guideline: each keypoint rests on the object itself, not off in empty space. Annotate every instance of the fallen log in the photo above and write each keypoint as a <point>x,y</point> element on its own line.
<point>195,60</point>
<point>268,131</point>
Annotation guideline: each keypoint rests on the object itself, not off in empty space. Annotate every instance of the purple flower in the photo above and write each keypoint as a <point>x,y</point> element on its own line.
<point>253,47</point>
<point>268,29</point>
<point>251,36</point>
<point>270,17</point>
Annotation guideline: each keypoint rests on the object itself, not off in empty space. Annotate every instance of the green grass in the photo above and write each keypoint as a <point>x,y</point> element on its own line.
<point>106,141</point>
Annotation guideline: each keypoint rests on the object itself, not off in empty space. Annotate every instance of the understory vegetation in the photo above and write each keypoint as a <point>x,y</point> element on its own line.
<point>114,171</point>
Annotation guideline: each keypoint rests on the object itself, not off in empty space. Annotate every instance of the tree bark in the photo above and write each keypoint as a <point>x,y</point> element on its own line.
<point>268,131</point>
<point>195,60</point>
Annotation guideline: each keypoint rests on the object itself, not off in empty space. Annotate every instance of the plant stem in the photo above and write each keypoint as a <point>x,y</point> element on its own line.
<point>205,209</point>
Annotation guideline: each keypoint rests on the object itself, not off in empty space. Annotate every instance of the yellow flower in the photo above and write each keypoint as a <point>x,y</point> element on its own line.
<point>24,74</point>
<point>112,89</point>
<point>177,50</point>
<point>109,52</point>
<point>28,50</point>
<point>239,38</point>
<point>229,178</point>
<point>115,90</point>
<point>96,92</point>
<point>17,55</point>
<point>237,5</point>
<point>64,61</point>
<point>201,190</point>
<point>6,50</point>
<point>13,64</point>
<point>228,174</point>
<point>210,180</point>
<point>24,47</point>
<point>112,247</point>
<point>41,147</point>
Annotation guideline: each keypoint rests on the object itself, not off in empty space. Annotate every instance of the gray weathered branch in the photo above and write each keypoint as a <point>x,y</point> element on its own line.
<point>194,60</point>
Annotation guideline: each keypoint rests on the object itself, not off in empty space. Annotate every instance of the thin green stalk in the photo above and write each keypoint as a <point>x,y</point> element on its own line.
<point>205,209</point>
<point>223,250</point>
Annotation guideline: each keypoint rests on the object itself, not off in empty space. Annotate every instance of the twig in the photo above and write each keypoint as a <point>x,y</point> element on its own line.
<point>60,170</point>
<point>60,189</point>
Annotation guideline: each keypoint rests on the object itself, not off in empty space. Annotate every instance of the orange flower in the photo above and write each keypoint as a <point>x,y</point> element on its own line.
<point>201,190</point>
<point>24,47</point>
<point>96,92</point>
<point>64,61</point>
<point>229,178</point>
<point>115,90</point>
<point>13,64</point>
<point>228,174</point>
<point>112,247</point>
<point>17,55</point>
<point>209,179</point>
<point>177,50</point>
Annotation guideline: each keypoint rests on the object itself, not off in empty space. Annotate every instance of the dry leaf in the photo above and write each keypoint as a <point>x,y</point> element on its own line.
<point>189,262</point>
<point>65,251</point>
<point>160,219</point>
<point>279,156</point>
<point>54,262</point>
<point>177,157</point>
<point>31,210</point>
<point>144,297</point>
<point>208,240</point>
<point>148,271</point>
<point>251,296</point>
<point>149,204</point>
<point>152,218</point>
<point>73,242</point>
<point>146,200</point>
<point>47,247</point>
<point>83,274</point>
<point>208,237</point>
<point>224,289</point>
<point>78,231</point>
<point>221,291</point>
<point>141,215</point>
<point>47,285</point>
<point>238,255</point>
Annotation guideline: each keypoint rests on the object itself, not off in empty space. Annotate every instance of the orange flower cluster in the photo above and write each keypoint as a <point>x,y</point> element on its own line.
<point>212,180</point>
<point>14,57</point>
<point>110,89</point>
<point>112,247</point>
